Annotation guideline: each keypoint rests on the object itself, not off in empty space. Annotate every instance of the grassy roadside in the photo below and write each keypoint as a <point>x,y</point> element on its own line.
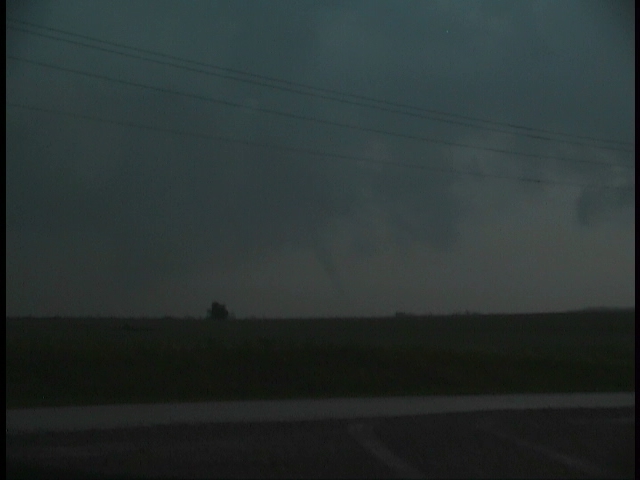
<point>83,362</point>
<point>84,376</point>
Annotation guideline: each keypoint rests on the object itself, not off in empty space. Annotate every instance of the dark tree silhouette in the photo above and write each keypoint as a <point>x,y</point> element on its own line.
<point>218,311</point>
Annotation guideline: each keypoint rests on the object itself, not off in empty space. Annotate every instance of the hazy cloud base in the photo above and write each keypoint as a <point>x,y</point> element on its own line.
<point>112,220</point>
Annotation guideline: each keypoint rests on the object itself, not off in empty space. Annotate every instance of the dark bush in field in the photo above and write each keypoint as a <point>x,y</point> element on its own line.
<point>218,311</point>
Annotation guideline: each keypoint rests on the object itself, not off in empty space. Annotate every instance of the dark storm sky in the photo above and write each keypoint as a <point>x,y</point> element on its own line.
<point>106,219</point>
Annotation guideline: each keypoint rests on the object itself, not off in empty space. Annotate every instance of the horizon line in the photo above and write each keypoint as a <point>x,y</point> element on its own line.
<point>396,315</point>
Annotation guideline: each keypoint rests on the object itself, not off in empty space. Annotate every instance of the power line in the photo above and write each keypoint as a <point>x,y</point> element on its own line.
<point>314,119</point>
<point>305,151</point>
<point>237,72</point>
<point>295,87</point>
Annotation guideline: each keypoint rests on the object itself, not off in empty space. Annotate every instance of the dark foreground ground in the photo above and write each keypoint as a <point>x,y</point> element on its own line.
<point>569,443</point>
<point>84,361</point>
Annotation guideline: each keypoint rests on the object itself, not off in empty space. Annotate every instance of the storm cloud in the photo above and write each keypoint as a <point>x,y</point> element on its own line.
<point>392,213</point>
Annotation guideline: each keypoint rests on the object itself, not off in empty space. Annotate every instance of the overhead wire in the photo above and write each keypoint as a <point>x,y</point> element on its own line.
<point>324,93</point>
<point>305,151</point>
<point>314,119</point>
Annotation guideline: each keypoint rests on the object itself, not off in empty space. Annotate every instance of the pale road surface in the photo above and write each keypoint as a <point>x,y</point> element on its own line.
<point>487,436</point>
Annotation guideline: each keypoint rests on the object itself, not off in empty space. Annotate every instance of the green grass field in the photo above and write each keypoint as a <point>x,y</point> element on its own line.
<point>54,362</point>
